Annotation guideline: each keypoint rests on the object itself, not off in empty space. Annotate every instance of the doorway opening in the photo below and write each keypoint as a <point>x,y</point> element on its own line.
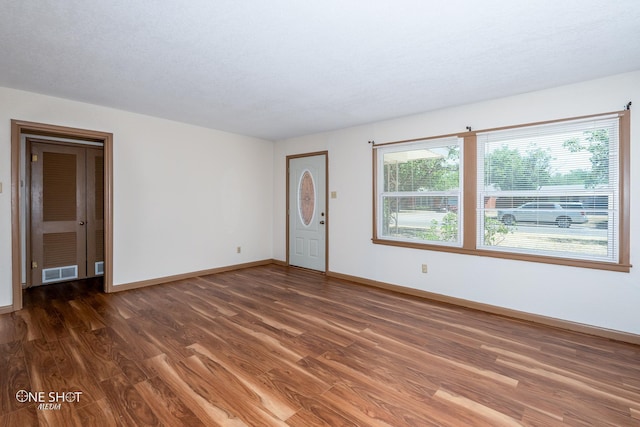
<point>64,213</point>
<point>62,146</point>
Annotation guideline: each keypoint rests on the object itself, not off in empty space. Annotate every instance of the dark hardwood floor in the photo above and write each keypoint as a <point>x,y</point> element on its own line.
<point>275,346</point>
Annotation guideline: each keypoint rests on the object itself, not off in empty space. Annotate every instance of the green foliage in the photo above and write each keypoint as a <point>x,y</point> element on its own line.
<point>430,233</point>
<point>449,227</point>
<point>507,169</point>
<point>495,231</point>
<point>432,174</point>
<point>597,143</point>
<point>446,231</point>
<point>574,177</point>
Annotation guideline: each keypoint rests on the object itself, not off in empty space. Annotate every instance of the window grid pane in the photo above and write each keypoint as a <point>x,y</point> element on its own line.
<point>421,192</point>
<point>550,190</point>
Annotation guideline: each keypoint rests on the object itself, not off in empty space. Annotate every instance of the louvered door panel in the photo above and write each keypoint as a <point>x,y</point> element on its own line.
<point>58,212</point>
<point>60,177</point>
<point>59,250</point>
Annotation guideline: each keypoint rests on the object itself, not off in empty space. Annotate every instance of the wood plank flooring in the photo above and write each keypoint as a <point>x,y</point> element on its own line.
<point>277,346</point>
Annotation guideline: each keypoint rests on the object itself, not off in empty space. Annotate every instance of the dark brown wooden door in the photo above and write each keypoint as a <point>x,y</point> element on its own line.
<point>95,211</point>
<point>66,233</point>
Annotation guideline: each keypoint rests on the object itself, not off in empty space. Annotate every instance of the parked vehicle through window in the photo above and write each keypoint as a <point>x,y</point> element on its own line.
<point>561,214</point>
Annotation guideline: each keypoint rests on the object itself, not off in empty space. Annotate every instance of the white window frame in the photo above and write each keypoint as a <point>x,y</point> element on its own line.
<point>381,194</point>
<point>611,190</point>
<point>470,198</point>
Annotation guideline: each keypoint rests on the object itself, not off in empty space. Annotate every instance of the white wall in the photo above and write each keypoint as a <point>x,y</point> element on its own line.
<point>594,297</point>
<point>184,196</point>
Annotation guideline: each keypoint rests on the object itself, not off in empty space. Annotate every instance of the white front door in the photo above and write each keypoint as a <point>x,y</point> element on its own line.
<point>307,211</point>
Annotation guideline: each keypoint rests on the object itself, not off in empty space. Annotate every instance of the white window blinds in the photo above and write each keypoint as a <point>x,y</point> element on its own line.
<point>419,191</point>
<point>550,189</point>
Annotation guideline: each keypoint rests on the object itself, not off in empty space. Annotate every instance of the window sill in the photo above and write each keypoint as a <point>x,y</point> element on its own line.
<point>622,268</point>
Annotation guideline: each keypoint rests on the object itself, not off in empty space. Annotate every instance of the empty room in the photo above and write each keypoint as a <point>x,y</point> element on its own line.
<point>337,213</point>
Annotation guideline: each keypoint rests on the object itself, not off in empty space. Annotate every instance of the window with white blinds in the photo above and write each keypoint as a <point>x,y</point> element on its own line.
<point>419,191</point>
<point>555,192</point>
<point>550,189</point>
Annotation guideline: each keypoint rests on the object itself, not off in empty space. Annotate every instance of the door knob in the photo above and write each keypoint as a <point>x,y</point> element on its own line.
<point>81,223</point>
<point>322,222</point>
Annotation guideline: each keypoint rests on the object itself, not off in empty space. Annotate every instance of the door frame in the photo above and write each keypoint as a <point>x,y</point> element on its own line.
<point>326,202</point>
<point>20,127</point>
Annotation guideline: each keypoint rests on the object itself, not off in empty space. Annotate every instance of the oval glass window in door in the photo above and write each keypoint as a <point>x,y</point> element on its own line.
<point>306,197</point>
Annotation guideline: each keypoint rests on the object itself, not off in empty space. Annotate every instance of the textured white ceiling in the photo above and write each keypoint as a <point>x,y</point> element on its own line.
<point>281,68</point>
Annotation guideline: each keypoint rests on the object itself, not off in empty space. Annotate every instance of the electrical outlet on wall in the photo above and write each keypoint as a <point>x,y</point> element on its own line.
<point>239,249</point>
<point>424,268</point>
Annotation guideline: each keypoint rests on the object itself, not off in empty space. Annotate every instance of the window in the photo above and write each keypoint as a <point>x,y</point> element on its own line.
<point>554,192</point>
<point>551,189</point>
<point>420,192</point>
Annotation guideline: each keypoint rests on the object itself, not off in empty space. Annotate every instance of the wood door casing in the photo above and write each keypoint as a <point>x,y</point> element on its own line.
<point>307,213</point>
<point>20,199</point>
<point>64,179</point>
